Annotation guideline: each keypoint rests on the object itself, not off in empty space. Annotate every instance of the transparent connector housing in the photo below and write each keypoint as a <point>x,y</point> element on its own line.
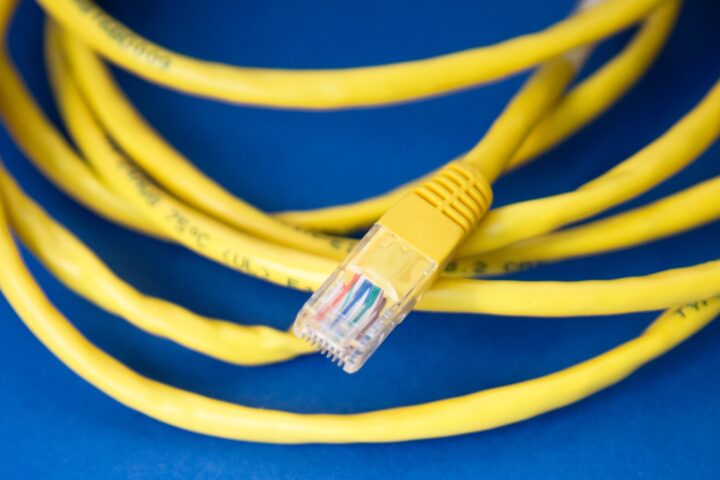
<point>365,298</point>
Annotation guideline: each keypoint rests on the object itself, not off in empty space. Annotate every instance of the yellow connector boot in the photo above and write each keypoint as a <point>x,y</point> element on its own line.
<point>386,274</point>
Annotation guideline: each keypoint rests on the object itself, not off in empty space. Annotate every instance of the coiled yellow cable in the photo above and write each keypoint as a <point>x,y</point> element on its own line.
<point>126,180</point>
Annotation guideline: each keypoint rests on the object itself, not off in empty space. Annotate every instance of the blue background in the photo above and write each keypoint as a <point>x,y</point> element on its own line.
<point>663,422</point>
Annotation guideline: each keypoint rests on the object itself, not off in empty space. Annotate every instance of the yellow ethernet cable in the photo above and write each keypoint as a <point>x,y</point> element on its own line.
<point>424,233</point>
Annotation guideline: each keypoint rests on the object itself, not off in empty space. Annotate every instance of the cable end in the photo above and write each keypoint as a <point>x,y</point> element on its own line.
<point>365,299</point>
<point>383,278</point>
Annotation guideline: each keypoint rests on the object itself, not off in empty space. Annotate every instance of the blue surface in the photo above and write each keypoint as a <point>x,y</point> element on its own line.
<point>663,422</point>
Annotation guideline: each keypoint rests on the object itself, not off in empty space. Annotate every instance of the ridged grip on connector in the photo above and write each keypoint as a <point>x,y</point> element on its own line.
<point>440,213</point>
<point>460,192</point>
